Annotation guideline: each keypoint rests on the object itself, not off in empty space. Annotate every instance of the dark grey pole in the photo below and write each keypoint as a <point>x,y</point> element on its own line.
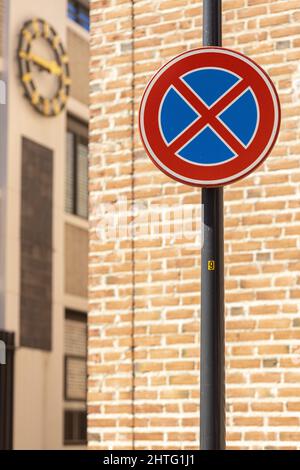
<point>212,405</point>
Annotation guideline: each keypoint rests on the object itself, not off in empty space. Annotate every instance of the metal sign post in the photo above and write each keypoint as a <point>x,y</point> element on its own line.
<point>212,403</point>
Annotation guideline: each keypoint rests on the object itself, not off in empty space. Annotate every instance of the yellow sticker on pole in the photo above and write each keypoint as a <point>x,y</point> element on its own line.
<point>211,265</point>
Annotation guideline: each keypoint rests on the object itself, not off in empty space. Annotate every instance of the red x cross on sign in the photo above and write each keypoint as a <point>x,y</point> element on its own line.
<point>209,115</point>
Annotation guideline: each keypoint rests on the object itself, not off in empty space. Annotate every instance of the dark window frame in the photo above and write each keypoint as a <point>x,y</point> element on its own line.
<point>75,414</point>
<point>74,315</point>
<point>80,316</point>
<point>7,392</point>
<point>79,131</point>
<point>67,358</point>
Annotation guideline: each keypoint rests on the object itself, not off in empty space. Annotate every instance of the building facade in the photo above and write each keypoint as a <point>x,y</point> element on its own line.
<point>44,228</point>
<point>144,312</point>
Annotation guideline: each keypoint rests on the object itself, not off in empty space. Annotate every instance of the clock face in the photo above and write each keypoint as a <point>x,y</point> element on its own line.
<point>44,67</point>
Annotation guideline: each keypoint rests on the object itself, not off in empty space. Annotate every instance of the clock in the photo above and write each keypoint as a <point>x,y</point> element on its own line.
<point>44,67</point>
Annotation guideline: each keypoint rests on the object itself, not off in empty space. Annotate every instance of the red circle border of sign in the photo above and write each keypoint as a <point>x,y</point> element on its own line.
<point>263,140</point>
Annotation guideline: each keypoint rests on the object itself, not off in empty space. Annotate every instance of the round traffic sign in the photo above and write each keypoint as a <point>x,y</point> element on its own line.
<point>209,117</point>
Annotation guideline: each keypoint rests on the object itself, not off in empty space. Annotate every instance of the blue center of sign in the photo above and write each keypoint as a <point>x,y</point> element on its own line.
<point>207,147</point>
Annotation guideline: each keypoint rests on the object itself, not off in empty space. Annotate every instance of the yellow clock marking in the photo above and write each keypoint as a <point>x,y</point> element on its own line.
<point>27,34</point>
<point>63,96</point>
<point>64,59</point>
<point>56,106</point>
<point>46,106</point>
<point>27,77</point>
<point>35,97</point>
<point>55,41</point>
<point>36,27</point>
<point>66,80</point>
<point>46,30</point>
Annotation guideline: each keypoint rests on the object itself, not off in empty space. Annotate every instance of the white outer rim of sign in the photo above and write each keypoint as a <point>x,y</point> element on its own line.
<point>241,173</point>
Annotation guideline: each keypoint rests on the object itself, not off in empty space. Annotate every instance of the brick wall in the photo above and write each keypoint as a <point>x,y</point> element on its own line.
<point>144,293</point>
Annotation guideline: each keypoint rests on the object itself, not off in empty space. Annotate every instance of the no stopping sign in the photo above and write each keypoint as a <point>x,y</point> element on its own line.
<point>209,117</point>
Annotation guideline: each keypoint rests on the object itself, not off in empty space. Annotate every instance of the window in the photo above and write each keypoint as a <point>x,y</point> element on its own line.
<point>76,194</point>
<point>7,342</point>
<point>78,11</point>
<point>75,422</point>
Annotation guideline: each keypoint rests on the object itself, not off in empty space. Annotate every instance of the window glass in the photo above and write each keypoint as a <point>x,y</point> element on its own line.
<point>82,180</point>
<point>75,424</point>
<point>69,180</point>
<point>78,11</point>
<point>75,373</point>
<point>76,176</point>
